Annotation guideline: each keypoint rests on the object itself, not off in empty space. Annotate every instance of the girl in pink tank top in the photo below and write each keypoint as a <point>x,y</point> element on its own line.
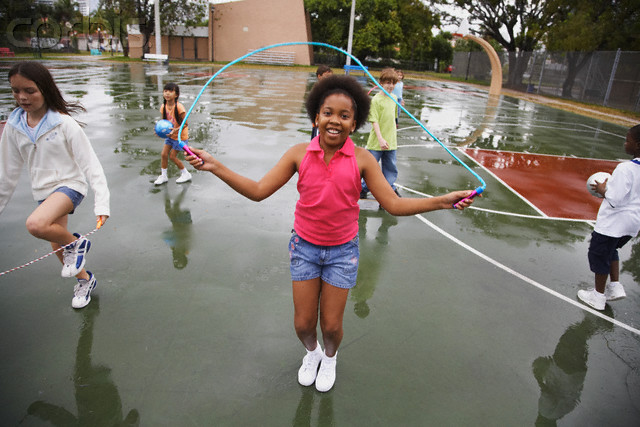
<point>324,246</point>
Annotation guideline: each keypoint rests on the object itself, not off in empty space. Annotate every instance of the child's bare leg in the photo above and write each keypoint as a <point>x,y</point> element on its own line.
<point>174,158</point>
<point>164,156</point>
<point>49,220</point>
<point>615,271</point>
<point>306,297</point>
<point>601,282</point>
<point>332,303</point>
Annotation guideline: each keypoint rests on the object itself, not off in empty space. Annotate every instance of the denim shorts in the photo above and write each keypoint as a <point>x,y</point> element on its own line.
<point>603,250</point>
<point>76,198</point>
<point>174,144</point>
<point>336,265</point>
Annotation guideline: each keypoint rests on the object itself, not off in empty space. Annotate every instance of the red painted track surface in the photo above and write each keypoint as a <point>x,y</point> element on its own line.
<point>556,185</point>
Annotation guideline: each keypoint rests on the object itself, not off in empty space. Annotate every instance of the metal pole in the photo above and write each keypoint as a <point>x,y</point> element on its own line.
<point>156,8</point>
<point>544,61</point>
<point>350,42</point>
<point>613,74</point>
<point>586,79</point>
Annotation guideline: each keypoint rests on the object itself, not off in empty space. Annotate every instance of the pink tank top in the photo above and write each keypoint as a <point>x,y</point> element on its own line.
<point>327,211</point>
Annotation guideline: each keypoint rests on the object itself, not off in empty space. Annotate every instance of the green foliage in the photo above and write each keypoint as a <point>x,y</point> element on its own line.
<point>517,25</point>
<point>400,28</point>
<point>589,25</point>
<point>172,13</point>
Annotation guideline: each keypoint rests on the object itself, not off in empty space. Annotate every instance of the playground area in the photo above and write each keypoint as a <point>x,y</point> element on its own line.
<point>458,318</point>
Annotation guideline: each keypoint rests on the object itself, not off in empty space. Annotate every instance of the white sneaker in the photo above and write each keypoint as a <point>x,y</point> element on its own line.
<point>327,373</point>
<point>593,298</point>
<point>614,291</point>
<point>309,369</point>
<point>161,180</point>
<point>82,291</point>
<point>184,177</point>
<point>74,256</point>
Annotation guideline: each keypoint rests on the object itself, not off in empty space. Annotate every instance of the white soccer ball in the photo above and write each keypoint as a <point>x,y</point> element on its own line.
<point>597,177</point>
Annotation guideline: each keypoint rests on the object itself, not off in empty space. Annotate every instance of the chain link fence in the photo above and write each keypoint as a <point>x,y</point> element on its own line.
<point>611,79</point>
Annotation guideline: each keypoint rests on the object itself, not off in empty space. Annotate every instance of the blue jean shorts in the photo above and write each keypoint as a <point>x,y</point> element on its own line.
<point>174,144</point>
<point>76,198</point>
<point>603,250</point>
<point>336,265</point>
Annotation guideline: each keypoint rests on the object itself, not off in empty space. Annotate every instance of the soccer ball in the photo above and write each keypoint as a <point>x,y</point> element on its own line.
<point>597,177</point>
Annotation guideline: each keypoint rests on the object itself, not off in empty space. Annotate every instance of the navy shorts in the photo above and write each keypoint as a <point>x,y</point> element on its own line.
<point>76,198</point>
<point>603,250</point>
<point>336,265</point>
<point>173,143</point>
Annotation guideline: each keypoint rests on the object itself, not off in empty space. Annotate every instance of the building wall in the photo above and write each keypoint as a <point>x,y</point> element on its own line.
<point>240,26</point>
<point>177,47</point>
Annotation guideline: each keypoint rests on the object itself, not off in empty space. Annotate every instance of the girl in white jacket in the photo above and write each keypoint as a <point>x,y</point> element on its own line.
<point>59,158</point>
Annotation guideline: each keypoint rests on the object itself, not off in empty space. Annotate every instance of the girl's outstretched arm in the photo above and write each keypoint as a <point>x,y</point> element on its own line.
<point>273,180</point>
<point>389,200</point>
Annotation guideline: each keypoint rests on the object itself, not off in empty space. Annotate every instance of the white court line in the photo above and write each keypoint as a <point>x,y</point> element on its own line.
<point>548,218</point>
<point>507,186</point>
<point>525,278</point>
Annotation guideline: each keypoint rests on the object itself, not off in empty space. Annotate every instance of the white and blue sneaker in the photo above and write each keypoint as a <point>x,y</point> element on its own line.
<point>82,291</point>
<point>74,256</point>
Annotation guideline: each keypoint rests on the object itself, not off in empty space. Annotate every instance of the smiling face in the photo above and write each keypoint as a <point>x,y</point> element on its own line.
<point>28,95</point>
<point>388,85</point>
<point>336,120</point>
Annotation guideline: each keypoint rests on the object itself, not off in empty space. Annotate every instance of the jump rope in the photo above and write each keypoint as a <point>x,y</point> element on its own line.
<point>98,225</point>
<point>186,148</point>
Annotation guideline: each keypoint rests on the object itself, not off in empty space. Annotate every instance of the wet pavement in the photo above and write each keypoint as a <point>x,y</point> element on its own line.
<point>458,318</point>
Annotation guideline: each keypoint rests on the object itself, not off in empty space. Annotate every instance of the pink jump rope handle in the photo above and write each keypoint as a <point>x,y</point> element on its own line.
<point>186,148</point>
<point>473,194</point>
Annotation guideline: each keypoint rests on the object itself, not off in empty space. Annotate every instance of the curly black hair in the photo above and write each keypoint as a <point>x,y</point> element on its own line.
<point>339,84</point>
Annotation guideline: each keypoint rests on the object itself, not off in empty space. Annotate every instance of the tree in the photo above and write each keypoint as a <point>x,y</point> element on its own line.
<point>518,25</point>
<point>581,27</point>
<point>416,22</point>
<point>441,50</point>
<point>172,13</point>
<point>380,27</point>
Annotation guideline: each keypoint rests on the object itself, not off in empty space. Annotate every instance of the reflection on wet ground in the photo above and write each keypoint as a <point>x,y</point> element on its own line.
<point>194,299</point>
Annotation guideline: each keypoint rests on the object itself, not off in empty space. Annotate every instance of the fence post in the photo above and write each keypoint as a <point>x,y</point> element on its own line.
<point>466,77</point>
<point>613,73</point>
<point>544,60</point>
<point>586,79</point>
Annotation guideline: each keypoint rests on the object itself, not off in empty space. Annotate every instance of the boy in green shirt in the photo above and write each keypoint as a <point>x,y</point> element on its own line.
<point>383,141</point>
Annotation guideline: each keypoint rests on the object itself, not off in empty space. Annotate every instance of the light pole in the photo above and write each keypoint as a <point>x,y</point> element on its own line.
<point>156,11</point>
<point>350,41</point>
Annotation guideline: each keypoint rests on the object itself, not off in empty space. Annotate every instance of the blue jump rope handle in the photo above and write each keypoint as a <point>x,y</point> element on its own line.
<point>473,194</point>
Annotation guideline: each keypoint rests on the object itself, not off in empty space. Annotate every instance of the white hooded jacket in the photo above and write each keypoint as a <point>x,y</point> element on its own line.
<point>59,154</point>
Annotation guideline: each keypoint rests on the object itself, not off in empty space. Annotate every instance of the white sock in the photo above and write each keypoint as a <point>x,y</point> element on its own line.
<point>315,350</point>
<point>163,172</point>
<point>329,359</point>
<point>614,283</point>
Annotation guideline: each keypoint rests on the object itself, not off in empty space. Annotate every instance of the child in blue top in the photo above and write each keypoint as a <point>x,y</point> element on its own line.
<point>397,91</point>
<point>617,222</point>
